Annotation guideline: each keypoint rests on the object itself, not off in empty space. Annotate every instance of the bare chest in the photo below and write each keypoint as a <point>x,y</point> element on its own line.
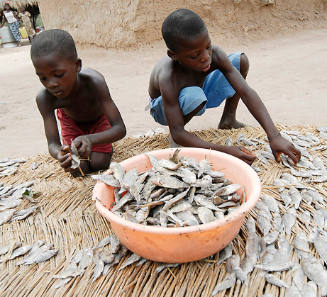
<point>84,109</point>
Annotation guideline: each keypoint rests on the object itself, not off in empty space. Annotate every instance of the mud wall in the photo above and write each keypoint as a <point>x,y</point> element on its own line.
<point>123,23</point>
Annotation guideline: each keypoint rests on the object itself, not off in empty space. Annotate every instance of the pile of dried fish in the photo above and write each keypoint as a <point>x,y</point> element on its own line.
<point>36,253</point>
<point>270,247</point>
<point>9,166</point>
<point>174,193</point>
<point>11,197</point>
<point>102,260</point>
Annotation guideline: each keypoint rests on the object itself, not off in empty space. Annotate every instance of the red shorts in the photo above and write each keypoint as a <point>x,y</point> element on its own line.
<point>70,130</point>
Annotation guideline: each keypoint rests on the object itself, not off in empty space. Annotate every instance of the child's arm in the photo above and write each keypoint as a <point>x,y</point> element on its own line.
<point>56,150</point>
<point>254,104</point>
<point>176,124</point>
<point>117,131</point>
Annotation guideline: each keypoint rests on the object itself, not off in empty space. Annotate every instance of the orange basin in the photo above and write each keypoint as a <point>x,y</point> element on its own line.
<point>182,244</point>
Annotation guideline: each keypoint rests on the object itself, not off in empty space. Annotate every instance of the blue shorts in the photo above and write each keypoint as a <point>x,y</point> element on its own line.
<point>215,90</point>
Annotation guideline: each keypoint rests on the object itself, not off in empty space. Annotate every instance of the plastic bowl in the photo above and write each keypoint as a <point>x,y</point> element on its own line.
<point>182,244</point>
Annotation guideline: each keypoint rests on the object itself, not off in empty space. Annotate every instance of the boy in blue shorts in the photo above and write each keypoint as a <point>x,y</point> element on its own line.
<point>196,75</point>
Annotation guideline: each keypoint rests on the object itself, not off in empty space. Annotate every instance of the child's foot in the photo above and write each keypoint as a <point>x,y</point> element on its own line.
<point>230,124</point>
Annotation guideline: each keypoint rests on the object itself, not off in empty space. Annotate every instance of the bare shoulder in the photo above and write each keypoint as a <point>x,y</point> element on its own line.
<point>161,77</point>
<point>92,76</point>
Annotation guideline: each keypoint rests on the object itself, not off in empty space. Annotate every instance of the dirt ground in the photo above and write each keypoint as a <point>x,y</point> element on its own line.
<point>288,72</point>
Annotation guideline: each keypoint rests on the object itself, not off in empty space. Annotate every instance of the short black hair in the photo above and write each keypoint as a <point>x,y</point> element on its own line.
<point>54,41</point>
<point>181,23</point>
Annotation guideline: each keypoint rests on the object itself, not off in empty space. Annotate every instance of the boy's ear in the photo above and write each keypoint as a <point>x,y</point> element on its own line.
<point>78,65</point>
<point>171,55</point>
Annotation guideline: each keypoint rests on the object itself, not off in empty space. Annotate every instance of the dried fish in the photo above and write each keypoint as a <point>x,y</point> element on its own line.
<point>98,269</point>
<point>118,171</point>
<point>20,251</point>
<point>205,182</point>
<point>275,266</point>
<point>164,266</point>
<point>181,206</point>
<point>272,279</point>
<point>315,272</point>
<point>227,283</point>
<point>242,139</point>
<point>61,282</point>
<point>267,155</point>
<point>114,244</point>
<point>270,202</point>
<point>128,197</point>
<point>132,259</point>
<point>107,259</point>
<point>295,196</point>
<point>108,179</point>
<point>86,259</point>
<point>44,256</point>
<point>187,175</point>
<point>102,243</point>
<point>129,178</point>
<point>271,237</point>
<point>301,245</point>
<point>289,219</point>
<point>298,276</point>
<point>142,214</point>
<point>321,247</point>
<point>141,262</point>
<point>176,199</point>
<point>310,290</point>
<point>205,215</point>
<point>263,222</point>
<point>167,181</point>
<point>230,189</point>
<point>6,248</point>
<point>69,272</point>
<point>5,216</point>
<point>11,202</point>
<point>292,291</point>
<point>229,142</point>
<point>226,253</point>
<point>187,218</point>
<point>203,201</point>
<point>24,213</point>
<point>305,217</point>
<point>319,218</point>
<point>77,257</point>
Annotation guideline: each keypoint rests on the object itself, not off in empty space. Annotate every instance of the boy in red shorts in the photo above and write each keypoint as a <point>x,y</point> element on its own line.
<point>81,100</point>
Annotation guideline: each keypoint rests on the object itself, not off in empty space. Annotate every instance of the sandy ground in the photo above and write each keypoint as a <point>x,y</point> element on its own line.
<point>288,72</point>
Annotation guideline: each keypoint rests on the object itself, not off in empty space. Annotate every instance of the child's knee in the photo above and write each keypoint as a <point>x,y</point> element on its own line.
<point>244,65</point>
<point>100,161</point>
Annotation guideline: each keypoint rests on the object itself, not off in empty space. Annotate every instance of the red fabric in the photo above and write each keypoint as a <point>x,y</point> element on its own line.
<point>70,130</point>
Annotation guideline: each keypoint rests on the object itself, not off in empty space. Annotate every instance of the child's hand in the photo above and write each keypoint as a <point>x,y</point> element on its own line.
<point>64,157</point>
<point>83,145</point>
<point>241,153</point>
<point>280,145</point>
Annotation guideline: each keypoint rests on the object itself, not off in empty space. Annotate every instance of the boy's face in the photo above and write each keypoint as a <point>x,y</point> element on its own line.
<point>194,54</point>
<point>57,74</point>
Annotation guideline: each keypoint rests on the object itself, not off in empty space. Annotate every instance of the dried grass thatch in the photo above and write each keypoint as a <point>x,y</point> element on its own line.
<point>18,3</point>
<point>69,220</point>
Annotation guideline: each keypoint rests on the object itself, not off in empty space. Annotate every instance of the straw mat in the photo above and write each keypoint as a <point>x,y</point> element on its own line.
<point>68,219</point>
